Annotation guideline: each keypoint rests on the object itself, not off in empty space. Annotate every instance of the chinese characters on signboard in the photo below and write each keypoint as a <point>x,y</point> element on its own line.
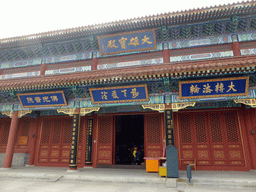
<point>213,88</point>
<point>45,99</point>
<point>127,42</point>
<point>119,94</point>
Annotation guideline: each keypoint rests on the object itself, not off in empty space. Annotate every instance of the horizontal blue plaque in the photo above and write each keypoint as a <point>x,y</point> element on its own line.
<point>213,88</point>
<point>127,42</point>
<point>119,94</point>
<point>43,99</point>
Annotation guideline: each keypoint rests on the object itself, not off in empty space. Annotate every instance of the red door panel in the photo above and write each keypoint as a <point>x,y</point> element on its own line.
<point>153,136</point>
<point>105,140</point>
<point>213,138</point>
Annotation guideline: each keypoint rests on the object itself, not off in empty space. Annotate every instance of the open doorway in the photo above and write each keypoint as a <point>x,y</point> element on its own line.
<point>129,134</point>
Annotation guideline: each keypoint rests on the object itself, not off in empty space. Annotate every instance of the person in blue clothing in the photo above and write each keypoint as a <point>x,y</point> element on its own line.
<point>137,156</point>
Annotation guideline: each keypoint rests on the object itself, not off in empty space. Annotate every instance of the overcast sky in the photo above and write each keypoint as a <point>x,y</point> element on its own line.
<point>24,17</point>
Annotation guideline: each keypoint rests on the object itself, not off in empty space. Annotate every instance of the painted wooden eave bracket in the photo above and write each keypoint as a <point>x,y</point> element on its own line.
<point>178,106</point>
<point>250,102</point>
<point>69,112</point>
<point>20,113</point>
<point>174,106</point>
<point>156,107</point>
<point>84,111</point>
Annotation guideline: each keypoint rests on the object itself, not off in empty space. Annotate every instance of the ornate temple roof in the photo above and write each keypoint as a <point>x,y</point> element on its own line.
<point>205,68</point>
<point>154,21</point>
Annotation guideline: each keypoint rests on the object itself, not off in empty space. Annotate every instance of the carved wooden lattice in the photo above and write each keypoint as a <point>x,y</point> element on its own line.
<point>216,132</point>
<point>67,132</point>
<point>185,128</point>
<point>153,130</point>
<point>105,132</point>
<point>153,136</point>
<point>4,132</point>
<point>231,127</point>
<point>56,131</point>
<point>46,128</point>
<point>201,136</point>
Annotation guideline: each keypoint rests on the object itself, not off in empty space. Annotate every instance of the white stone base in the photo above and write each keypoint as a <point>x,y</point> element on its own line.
<point>171,183</point>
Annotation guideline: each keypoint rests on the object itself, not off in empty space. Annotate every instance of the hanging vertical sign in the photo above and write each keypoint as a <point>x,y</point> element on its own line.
<point>169,127</point>
<point>88,158</point>
<point>74,142</point>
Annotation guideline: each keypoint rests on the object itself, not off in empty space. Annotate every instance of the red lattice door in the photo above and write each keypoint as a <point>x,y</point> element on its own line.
<point>55,141</point>
<point>153,136</point>
<point>226,139</point>
<point>4,133</point>
<point>105,140</point>
<point>212,138</point>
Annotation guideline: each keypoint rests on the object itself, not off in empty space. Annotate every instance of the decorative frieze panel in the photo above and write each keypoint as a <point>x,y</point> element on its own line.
<point>21,63</point>
<point>20,75</point>
<point>248,51</point>
<point>131,63</point>
<point>68,70</point>
<point>247,37</point>
<point>200,42</point>
<point>201,56</point>
<point>63,58</point>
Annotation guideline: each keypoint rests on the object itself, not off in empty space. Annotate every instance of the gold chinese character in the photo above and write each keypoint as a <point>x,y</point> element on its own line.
<point>38,99</point>
<point>194,89</point>
<point>207,88</point>
<point>30,100</point>
<point>219,87</point>
<point>134,41</point>
<point>45,99</point>
<point>104,95</point>
<point>54,98</point>
<point>111,44</point>
<point>124,91</point>
<point>122,42</point>
<point>145,40</point>
<point>134,93</point>
<point>114,95</point>
<point>231,87</point>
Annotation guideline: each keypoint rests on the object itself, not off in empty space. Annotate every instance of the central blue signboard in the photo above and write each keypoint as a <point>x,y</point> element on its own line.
<point>43,99</point>
<point>127,42</point>
<point>213,88</point>
<point>119,94</point>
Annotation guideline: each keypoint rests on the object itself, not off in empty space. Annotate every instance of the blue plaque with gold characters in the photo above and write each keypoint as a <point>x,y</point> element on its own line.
<point>127,42</point>
<point>119,94</point>
<point>42,99</point>
<point>214,88</point>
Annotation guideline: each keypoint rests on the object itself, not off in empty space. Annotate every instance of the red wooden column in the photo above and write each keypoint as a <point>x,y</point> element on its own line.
<point>94,61</point>
<point>236,46</point>
<point>43,69</point>
<point>166,54</point>
<point>11,141</point>
<point>33,142</point>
